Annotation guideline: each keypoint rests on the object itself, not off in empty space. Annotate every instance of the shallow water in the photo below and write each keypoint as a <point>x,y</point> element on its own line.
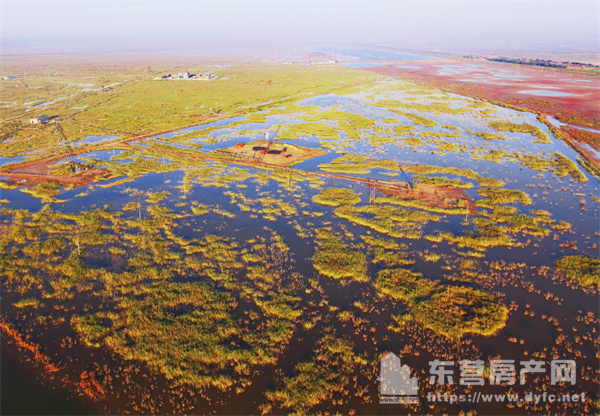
<point>9,160</point>
<point>96,139</point>
<point>365,54</point>
<point>547,93</point>
<point>223,122</point>
<point>368,65</point>
<point>559,124</point>
<point>51,102</point>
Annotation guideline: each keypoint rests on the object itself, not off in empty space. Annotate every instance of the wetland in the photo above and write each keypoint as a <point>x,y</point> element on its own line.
<point>162,252</point>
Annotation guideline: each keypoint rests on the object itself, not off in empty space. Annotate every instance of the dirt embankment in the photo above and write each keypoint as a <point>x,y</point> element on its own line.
<point>42,171</point>
<point>434,196</point>
<point>272,153</point>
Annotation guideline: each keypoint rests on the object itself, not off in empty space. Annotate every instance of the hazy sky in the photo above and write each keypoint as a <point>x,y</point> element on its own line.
<point>527,22</point>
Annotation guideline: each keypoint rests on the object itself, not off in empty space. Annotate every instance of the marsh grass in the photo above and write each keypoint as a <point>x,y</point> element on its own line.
<point>155,197</point>
<point>417,119</point>
<point>160,105</point>
<point>487,136</point>
<point>140,106</point>
<point>154,315</point>
<point>8,186</point>
<point>336,196</point>
<point>335,259</point>
<point>448,310</point>
<point>294,131</point>
<point>190,299</point>
<point>514,224</point>
<point>436,107</point>
<point>380,242</point>
<point>356,164</point>
<point>392,221</point>
<point>467,173</point>
<point>585,270</point>
<point>488,236</point>
<point>317,380</point>
<point>521,128</point>
<point>437,180</point>
<point>63,169</point>
<point>403,129</point>
<point>498,196</point>
<point>46,191</point>
<point>347,120</point>
<point>459,208</point>
<point>558,164</point>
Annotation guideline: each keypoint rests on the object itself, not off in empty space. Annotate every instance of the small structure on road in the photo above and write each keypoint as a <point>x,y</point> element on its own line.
<point>43,119</point>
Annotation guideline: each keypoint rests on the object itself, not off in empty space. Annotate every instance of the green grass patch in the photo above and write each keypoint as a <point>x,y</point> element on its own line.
<point>335,197</point>
<point>487,136</point>
<point>294,131</point>
<point>559,164</point>
<point>380,242</point>
<point>417,119</point>
<point>437,180</point>
<point>584,270</point>
<point>467,173</point>
<point>498,196</point>
<point>155,197</point>
<point>46,191</point>
<point>317,381</point>
<point>335,259</point>
<point>447,310</point>
<point>356,164</point>
<point>488,237</point>
<point>521,128</point>
<point>460,208</point>
<point>385,219</point>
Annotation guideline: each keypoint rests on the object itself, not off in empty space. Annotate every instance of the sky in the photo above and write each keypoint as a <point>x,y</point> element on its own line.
<point>164,24</point>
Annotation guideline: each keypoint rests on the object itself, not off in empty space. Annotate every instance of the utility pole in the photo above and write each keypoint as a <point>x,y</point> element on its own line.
<point>63,139</point>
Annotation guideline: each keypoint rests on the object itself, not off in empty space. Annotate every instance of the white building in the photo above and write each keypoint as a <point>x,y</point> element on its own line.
<point>208,75</point>
<point>43,119</point>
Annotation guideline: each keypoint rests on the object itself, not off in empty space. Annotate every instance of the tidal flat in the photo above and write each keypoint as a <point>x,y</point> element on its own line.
<point>160,269</point>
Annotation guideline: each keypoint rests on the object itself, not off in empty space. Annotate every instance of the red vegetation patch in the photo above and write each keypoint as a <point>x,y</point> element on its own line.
<point>38,356</point>
<point>583,136</point>
<point>501,82</point>
<point>91,387</point>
